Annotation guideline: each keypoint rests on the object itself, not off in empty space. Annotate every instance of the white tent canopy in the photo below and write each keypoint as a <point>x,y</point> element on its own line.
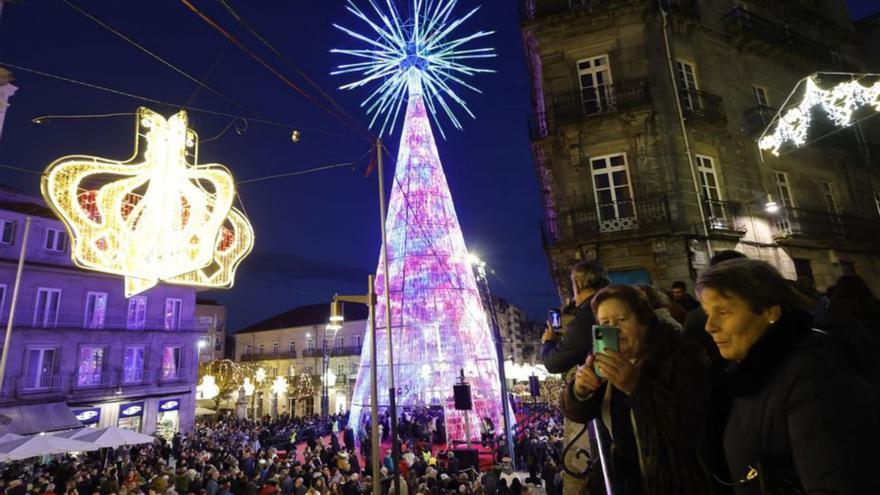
<point>37,445</point>
<point>112,436</point>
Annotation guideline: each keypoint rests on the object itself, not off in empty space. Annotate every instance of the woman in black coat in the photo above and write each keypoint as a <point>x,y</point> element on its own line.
<point>652,407</point>
<point>802,421</point>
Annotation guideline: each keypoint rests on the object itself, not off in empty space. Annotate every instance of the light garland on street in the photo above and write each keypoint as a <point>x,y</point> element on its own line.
<point>839,102</point>
<point>156,217</point>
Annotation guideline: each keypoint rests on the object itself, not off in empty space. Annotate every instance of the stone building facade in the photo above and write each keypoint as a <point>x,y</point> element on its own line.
<point>518,335</point>
<point>210,318</point>
<point>78,345</point>
<point>647,156</point>
<point>292,345</point>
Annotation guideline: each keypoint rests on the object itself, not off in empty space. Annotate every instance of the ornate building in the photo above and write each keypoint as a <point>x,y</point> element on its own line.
<point>644,130</point>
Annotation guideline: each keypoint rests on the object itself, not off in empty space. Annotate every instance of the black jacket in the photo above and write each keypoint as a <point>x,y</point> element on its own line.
<point>801,416</point>
<point>561,355</point>
<point>669,409</point>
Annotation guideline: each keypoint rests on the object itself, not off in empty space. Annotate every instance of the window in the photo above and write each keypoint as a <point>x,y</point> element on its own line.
<point>218,344</point>
<point>828,196</point>
<point>760,96</point>
<point>782,186</point>
<point>340,369</point>
<point>308,406</point>
<point>711,191</point>
<point>3,302</point>
<point>357,338</point>
<point>96,308</point>
<point>56,240</point>
<point>594,76</point>
<point>172,314</point>
<point>687,84</point>
<point>310,345</point>
<point>260,350</point>
<point>247,350</point>
<point>137,313</point>
<point>275,348</point>
<point>7,231</point>
<point>40,369</point>
<point>614,200</point>
<point>133,365</point>
<point>804,271</point>
<point>46,310</point>
<point>90,366</point>
<point>292,347</point>
<point>352,368</point>
<point>170,362</point>
<point>340,341</point>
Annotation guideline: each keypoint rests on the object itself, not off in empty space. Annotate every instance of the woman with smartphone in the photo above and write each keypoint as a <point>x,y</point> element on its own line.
<point>648,389</point>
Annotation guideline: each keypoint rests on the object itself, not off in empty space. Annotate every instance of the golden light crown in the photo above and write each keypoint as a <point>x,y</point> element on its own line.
<point>158,216</point>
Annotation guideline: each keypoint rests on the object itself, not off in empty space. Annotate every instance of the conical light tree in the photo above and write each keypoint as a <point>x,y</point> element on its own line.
<point>438,324</point>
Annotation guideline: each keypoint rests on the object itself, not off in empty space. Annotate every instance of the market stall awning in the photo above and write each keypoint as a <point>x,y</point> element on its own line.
<point>37,445</point>
<point>37,418</point>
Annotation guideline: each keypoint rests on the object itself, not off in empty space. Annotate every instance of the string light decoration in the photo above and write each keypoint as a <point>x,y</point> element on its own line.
<point>839,103</point>
<point>437,313</point>
<point>419,54</point>
<point>158,216</point>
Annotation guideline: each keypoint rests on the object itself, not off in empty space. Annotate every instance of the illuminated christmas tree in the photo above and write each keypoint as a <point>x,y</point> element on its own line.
<point>438,324</point>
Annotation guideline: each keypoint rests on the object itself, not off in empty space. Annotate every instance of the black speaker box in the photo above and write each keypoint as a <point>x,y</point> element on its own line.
<point>467,458</point>
<point>534,386</point>
<point>462,397</point>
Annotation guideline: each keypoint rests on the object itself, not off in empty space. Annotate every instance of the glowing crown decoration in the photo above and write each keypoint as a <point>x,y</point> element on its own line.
<point>156,217</point>
<point>839,102</point>
<point>413,57</point>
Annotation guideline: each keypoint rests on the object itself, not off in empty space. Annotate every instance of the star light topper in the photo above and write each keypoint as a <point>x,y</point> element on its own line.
<point>158,216</point>
<point>416,57</point>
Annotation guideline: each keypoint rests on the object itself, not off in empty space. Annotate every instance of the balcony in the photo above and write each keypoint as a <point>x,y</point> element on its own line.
<point>267,356</point>
<point>772,38</point>
<point>724,218</point>
<point>757,119</point>
<point>641,215</point>
<point>702,105</point>
<point>37,384</point>
<point>610,98</point>
<point>97,379</point>
<point>333,351</point>
<point>795,223</point>
<point>133,378</point>
<point>174,375</point>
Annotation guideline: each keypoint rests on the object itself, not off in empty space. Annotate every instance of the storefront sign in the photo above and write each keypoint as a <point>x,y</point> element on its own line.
<point>88,416</point>
<point>169,405</point>
<point>131,409</point>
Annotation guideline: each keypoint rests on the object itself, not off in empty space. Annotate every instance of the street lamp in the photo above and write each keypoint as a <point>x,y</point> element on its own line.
<point>479,267</point>
<point>770,206</point>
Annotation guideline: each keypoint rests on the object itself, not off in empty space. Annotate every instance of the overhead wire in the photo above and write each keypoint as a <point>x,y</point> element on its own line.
<point>249,27</point>
<point>156,101</point>
<point>235,41</point>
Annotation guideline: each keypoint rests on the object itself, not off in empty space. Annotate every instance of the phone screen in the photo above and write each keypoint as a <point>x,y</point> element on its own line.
<point>555,319</point>
<point>604,338</point>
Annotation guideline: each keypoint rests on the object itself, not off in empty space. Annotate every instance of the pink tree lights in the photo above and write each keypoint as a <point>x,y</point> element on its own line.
<point>438,322</point>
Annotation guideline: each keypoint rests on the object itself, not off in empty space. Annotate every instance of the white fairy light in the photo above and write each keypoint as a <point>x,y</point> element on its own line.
<point>839,102</point>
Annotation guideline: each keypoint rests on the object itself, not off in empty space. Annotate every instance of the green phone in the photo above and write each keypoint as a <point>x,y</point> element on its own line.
<point>605,337</point>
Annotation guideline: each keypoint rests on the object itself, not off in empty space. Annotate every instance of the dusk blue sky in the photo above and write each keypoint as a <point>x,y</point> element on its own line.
<point>316,234</point>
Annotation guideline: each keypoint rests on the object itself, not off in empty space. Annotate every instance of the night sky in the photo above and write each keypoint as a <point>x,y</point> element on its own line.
<point>316,234</point>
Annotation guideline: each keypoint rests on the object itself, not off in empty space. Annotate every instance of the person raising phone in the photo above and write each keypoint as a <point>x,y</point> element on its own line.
<point>651,400</point>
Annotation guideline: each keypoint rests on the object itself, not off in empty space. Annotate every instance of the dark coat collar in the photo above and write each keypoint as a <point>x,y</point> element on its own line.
<point>747,376</point>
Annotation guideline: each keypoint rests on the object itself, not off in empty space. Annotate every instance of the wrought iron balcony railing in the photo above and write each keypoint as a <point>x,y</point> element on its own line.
<point>266,356</point>
<point>724,217</point>
<point>608,98</point>
<point>791,223</point>
<point>590,221</point>
<point>40,383</point>
<point>746,24</point>
<point>701,104</point>
<point>758,118</point>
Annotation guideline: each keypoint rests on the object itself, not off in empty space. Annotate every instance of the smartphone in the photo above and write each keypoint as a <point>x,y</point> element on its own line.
<point>604,338</point>
<point>555,319</point>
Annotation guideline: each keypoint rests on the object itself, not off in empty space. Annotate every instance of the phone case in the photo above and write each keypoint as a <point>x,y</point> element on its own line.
<point>604,338</point>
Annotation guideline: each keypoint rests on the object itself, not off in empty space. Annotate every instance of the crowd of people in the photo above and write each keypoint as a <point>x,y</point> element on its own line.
<point>293,456</point>
<point>757,385</point>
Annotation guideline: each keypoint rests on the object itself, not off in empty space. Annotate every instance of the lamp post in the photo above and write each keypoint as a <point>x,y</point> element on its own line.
<point>479,267</point>
<point>334,325</point>
<point>370,301</point>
